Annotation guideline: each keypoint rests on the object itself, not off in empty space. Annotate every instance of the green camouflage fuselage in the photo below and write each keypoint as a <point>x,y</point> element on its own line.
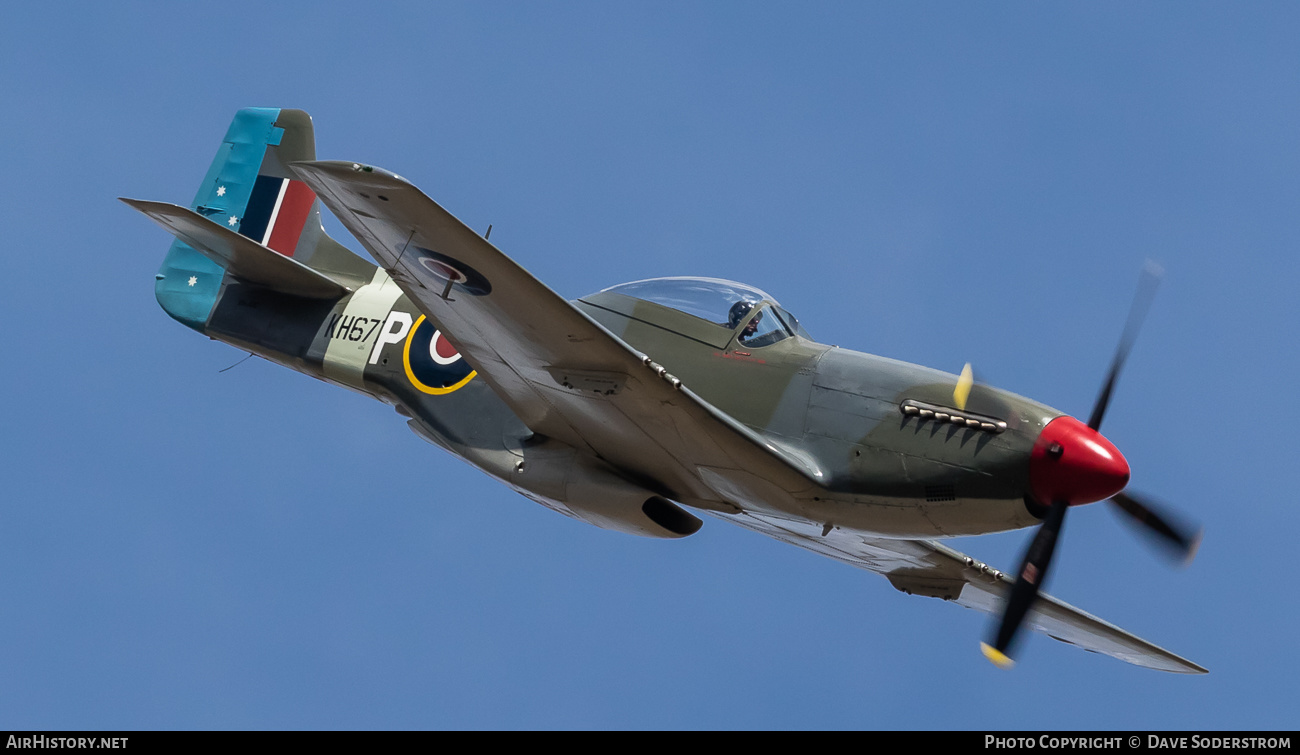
<point>887,473</point>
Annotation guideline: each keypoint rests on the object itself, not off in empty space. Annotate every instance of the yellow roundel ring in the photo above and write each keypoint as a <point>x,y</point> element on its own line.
<point>415,381</point>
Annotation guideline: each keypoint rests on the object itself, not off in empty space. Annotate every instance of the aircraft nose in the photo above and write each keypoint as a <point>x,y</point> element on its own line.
<point>1072,462</point>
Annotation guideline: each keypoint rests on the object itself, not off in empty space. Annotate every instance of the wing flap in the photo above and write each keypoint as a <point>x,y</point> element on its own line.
<point>924,567</point>
<point>562,373</point>
<point>239,255</point>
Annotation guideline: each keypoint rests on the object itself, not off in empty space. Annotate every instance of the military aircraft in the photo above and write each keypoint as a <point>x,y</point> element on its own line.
<point>640,406</point>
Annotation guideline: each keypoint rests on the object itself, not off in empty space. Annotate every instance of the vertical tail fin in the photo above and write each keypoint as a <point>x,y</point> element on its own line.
<point>250,189</point>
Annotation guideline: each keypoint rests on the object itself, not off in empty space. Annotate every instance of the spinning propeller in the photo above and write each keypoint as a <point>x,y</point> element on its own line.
<point>1071,463</point>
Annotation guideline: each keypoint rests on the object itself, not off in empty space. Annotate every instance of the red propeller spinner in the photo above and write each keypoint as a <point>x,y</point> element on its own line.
<point>1074,463</point>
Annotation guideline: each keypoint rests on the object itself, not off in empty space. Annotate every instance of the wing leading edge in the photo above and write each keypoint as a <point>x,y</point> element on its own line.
<point>569,378</point>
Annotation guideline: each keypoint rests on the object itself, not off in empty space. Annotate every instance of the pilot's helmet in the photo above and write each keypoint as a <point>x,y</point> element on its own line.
<point>739,311</point>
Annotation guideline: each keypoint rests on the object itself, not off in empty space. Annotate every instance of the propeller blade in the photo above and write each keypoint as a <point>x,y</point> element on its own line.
<point>1180,538</point>
<point>1033,569</point>
<point>1147,283</point>
<point>961,393</point>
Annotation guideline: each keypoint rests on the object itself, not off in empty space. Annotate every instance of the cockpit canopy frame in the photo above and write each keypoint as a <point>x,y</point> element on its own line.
<point>755,318</point>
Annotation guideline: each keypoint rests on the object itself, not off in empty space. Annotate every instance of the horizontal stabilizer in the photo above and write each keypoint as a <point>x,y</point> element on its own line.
<point>239,255</point>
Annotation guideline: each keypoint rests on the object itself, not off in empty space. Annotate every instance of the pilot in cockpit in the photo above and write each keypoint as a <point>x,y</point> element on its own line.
<point>739,311</point>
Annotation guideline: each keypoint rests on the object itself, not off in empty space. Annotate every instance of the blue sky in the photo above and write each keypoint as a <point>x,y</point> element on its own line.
<point>940,183</point>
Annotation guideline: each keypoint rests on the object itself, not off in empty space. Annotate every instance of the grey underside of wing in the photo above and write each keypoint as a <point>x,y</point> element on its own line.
<point>925,567</point>
<point>564,375</point>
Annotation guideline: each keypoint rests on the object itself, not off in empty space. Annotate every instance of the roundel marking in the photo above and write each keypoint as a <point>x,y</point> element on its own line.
<point>432,364</point>
<point>441,351</point>
<point>462,276</point>
<point>443,270</point>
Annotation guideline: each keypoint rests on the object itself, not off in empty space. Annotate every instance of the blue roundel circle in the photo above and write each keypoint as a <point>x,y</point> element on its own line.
<point>432,364</point>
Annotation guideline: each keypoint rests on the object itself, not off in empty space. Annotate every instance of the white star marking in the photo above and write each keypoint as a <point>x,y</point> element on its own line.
<point>234,221</point>
<point>221,191</point>
<point>193,280</point>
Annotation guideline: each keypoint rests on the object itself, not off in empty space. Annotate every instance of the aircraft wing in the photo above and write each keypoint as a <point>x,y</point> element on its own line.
<point>561,372</point>
<point>925,567</point>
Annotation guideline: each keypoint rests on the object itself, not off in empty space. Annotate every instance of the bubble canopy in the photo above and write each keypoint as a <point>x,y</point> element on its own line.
<point>707,298</point>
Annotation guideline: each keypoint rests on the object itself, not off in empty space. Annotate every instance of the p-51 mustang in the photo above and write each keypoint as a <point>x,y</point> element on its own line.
<point>639,406</point>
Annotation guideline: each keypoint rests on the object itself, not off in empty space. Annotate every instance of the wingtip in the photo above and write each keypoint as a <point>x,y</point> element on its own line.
<point>999,658</point>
